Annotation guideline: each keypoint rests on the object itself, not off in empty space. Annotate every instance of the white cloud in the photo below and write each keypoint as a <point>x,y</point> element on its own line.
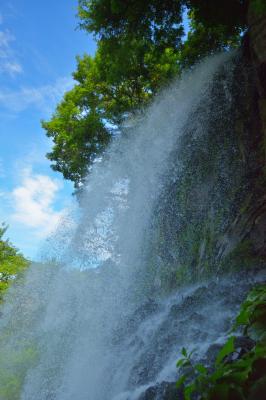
<point>8,62</point>
<point>43,98</point>
<point>33,203</point>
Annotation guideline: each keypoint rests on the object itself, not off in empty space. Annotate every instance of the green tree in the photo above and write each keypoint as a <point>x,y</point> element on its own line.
<point>203,40</point>
<point>152,21</point>
<point>106,92</point>
<point>12,262</point>
<point>157,20</point>
<point>141,48</point>
<point>229,14</point>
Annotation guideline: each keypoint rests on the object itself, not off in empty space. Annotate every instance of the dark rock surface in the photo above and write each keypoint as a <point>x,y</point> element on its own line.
<point>163,391</point>
<point>198,318</point>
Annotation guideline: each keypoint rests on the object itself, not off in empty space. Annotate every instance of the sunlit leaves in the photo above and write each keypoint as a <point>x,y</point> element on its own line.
<point>12,263</point>
<point>140,49</point>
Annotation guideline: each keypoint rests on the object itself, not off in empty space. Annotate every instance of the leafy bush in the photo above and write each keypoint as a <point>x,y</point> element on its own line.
<point>12,262</point>
<point>235,376</point>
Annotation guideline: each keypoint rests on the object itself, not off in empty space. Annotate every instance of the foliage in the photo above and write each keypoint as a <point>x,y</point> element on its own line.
<point>259,6</point>
<point>12,263</point>
<point>154,20</point>
<point>11,380</point>
<point>140,49</point>
<point>108,89</point>
<point>231,14</point>
<point>203,40</point>
<point>241,379</point>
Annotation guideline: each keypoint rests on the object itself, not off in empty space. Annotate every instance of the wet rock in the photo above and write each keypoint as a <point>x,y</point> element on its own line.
<point>131,323</point>
<point>151,362</point>
<point>201,292</point>
<point>194,323</point>
<point>175,310</point>
<point>243,344</point>
<point>144,311</point>
<point>224,324</point>
<point>198,318</point>
<point>212,353</point>
<point>189,303</point>
<point>162,391</point>
<point>147,309</point>
<point>197,334</point>
<point>144,371</point>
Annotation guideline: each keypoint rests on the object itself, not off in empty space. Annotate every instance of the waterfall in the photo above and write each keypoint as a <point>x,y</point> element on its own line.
<point>93,323</point>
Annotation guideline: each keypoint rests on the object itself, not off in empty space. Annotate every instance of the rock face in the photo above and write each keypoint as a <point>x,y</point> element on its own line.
<point>164,390</point>
<point>188,318</point>
<point>149,341</point>
<point>198,233</point>
<point>208,211</point>
<point>257,34</point>
<point>257,49</point>
<point>213,204</point>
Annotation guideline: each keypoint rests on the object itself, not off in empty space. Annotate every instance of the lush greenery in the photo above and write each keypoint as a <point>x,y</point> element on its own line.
<point>141,47</point>
<point>238,378</point>
<point>12,262</point>
<point>12,383</point>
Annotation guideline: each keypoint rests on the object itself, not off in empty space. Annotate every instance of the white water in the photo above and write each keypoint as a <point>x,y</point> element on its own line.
<point>67,332</point>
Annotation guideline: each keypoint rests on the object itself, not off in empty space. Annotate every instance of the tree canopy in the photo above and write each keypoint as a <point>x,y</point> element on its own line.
<point>12,262</point>
<point>156,19</point>
<point>141,47</point>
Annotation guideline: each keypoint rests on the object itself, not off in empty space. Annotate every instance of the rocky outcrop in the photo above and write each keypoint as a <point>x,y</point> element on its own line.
<point>148,341</point>
<point>257,35</point>
<point>163,391</point>
<point>257,48</point>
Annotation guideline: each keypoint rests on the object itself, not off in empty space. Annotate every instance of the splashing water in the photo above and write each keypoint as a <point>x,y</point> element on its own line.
<point>84,326</point>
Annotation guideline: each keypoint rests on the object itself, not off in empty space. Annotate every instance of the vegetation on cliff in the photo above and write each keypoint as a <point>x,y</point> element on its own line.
<point>239,373</point>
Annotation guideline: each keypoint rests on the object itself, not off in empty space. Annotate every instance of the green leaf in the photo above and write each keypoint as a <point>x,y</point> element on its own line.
<point>181,381</point>
<point>243,317</point>
<point>228,348</point>
<point>180,362</point>
<point>201,369</point>
<point>189,390</point>
<point>184,352</point>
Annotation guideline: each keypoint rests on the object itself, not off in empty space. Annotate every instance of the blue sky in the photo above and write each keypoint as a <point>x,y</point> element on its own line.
<point>38,45</point>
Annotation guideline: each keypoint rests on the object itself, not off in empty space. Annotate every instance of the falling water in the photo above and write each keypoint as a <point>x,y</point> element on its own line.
<point>88,324</point>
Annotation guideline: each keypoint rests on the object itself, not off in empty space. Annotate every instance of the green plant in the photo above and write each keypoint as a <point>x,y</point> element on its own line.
<point>259,6</point>
<point>242,379</point>
<point>11,379</point>
<point>12,262</point>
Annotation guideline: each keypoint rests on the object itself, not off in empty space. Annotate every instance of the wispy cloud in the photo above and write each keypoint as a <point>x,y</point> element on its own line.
<point>33,203</point>
<point>42,98</point>
<point>8,62</point>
